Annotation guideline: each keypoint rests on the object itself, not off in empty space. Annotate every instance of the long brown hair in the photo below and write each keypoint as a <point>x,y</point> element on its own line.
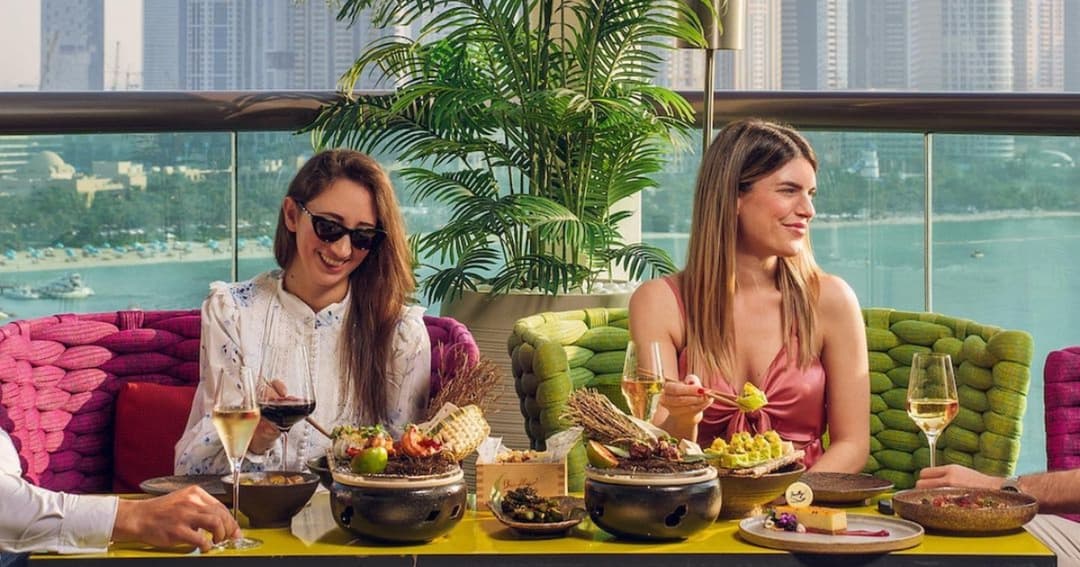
<point>378,288</point>
<point>742,153</point>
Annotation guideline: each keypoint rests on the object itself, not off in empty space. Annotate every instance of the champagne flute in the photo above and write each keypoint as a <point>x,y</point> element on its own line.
<point>286,392</point>
<point>931,399</point>
<point>642,378</point>
<point>235,417</point>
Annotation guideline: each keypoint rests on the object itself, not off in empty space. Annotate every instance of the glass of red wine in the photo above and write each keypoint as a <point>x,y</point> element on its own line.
<point>286,392</point>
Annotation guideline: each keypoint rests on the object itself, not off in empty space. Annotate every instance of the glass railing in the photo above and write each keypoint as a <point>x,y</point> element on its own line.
<point>968,205</point>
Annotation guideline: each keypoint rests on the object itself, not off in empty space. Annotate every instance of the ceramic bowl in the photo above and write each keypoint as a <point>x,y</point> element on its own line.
<point>667,506</point>
<point>398,509</point>
<point>267,504</point>
<point>746,496</point>
<point>1012,510</point>
<point>571,507</point>
<point>319,466</point>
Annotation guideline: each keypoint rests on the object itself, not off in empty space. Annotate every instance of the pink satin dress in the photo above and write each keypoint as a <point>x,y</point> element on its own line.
<point>796,408</point>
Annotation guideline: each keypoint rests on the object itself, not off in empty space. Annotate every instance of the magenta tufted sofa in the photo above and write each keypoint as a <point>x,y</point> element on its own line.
<point>1061,399</point>
<point>60,375</point>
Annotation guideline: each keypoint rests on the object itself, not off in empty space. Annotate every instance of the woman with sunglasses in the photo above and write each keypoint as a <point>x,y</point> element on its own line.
<point>345,278</point>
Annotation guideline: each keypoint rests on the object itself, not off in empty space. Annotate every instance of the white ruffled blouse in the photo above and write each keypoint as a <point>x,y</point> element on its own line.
<point>234,322</point>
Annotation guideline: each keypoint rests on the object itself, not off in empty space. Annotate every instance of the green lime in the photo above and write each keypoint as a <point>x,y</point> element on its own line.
<point>370,461</point>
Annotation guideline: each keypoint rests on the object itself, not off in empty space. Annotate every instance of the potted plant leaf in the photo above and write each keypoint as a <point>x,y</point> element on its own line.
<point>530,121</point>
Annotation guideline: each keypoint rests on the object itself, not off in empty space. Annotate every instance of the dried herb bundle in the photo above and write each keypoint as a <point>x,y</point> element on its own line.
<point>602,420</point>
<point>466,384</point>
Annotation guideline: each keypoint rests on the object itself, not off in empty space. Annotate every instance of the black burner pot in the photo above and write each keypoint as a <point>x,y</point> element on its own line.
<point>406,510</point>
<point>654,506</point>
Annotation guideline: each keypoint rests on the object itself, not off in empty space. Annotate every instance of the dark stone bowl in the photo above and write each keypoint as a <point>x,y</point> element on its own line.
<point>272,505</point>
<point>652,507</point>
<point>319,466</point>
<point>407,510</point>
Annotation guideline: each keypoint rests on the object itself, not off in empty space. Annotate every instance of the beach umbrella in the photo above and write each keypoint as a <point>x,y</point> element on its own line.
<point>10,254</point>
<point>70,253</point>
<point>59,245</point>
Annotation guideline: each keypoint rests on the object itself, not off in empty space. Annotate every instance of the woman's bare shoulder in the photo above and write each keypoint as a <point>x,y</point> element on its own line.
<point>836,298</point>
<point>654,294</point>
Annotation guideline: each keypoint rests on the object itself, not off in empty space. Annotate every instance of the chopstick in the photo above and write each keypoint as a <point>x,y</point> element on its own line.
<point>318,427</point>
<point>714,394</point>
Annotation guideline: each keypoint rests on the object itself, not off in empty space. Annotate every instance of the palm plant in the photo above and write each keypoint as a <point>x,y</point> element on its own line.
<point>529,120</point>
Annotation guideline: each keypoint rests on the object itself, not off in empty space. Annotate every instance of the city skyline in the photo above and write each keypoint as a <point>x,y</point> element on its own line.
<point>919,45</point>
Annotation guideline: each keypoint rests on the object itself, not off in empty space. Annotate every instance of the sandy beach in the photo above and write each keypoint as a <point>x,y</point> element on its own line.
<point>61,260</point>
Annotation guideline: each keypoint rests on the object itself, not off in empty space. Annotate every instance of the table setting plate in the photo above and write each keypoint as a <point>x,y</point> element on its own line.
<point>572,507</point>
<point>917,505</point>
<point>902,535</point>
<point>211,483</point>
<point>844,488</point>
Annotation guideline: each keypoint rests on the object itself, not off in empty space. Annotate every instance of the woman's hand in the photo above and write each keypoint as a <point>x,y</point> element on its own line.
<point>266,433</point>
<point>684,404</point>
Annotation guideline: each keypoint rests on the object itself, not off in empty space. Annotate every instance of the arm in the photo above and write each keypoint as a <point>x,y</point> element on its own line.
<point>35,519</point>
<point>654,317</point>
<point>174,519</point>
<point>409,374</point>
<point>847,380</point>
<point>1057,492</point>
<point>199,450</point>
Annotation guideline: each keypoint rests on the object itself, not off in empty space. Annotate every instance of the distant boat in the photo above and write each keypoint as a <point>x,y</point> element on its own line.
<point>977,253</point>
<point>4,315</point>
<point>70,286</point>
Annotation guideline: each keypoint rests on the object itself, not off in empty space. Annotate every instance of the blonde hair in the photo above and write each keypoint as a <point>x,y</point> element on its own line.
<point>378,288</point>
<point>742,153</point>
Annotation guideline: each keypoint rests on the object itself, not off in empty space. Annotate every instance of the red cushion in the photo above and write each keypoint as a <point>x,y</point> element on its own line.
<point>150,418</point>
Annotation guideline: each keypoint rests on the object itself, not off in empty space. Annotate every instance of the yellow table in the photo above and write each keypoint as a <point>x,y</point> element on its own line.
<point>481,541</point>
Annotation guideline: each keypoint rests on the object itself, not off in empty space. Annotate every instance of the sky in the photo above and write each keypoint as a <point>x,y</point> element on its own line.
<point>20,43</point>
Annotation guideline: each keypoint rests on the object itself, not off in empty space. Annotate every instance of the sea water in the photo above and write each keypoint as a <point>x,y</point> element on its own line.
<point>1016,273</point>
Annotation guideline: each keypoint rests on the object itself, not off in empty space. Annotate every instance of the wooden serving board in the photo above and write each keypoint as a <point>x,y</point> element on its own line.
<point>765,467</point>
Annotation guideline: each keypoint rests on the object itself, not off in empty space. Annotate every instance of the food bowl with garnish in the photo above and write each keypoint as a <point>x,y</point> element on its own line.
<point>640,483</point>
<point>754,470</point>
<point>973,511</point>
<point>269,499</point>
<point>410,490</point>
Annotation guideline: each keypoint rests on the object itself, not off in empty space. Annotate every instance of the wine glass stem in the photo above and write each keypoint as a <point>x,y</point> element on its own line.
<point>932,441</point>
<point>284,450</point>
<point>236,488</point>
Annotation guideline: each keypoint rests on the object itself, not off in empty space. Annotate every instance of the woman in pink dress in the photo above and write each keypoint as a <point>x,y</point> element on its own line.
<point>752,306</point>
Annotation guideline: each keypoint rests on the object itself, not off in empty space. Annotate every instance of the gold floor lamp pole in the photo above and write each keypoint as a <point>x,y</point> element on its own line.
<point>722,31</point>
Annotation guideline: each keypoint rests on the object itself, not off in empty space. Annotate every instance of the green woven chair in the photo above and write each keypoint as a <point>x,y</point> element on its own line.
<point>553,354</point>
<point>992,375</point>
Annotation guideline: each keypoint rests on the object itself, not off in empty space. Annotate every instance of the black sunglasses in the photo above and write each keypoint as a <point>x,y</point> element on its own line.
<point>328,230</point>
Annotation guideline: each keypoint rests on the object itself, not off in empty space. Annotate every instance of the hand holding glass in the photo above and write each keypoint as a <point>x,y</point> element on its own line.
<point>643,379</point>
<point>286,392</point>
<point>235,417</point>
<point>931,398</point>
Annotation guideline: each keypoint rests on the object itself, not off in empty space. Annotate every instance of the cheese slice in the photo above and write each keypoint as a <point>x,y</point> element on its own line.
<point>828,520</point>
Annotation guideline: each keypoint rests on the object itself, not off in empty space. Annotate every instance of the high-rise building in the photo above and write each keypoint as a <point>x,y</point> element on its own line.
<point>878,45</point>
<point>250,44</point>
<point>1038,45</point>
<point>164,38</point>
<point>756,66</point>
<point>814,44</point>
<point>72,45</point>
<point>1071,55</point>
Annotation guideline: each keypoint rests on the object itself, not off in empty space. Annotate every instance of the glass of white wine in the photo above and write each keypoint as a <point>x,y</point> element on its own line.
<point>931,397</point>
<point>643,378</point>
<point>236,414</point>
